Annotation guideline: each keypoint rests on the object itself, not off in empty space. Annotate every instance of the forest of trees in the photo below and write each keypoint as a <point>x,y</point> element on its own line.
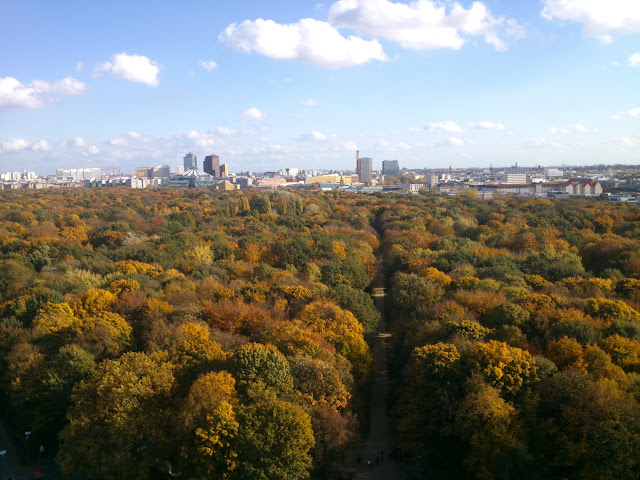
<point>516,336</point>
<point>221,335</point>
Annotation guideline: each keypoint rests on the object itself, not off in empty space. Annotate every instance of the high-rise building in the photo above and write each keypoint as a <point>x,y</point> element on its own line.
<point>211,165</point>
<point>363,168</point>
<point>224,170</point>
<point>143,172</point>
<point>160,171</point>
<point>390,167</point>
<point>190,162</point>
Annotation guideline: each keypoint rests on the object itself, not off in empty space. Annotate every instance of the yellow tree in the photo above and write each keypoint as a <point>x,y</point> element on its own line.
<point>340,328</point>
<point>208,426</point>
<point>119,420</point>
<point>509,369</point>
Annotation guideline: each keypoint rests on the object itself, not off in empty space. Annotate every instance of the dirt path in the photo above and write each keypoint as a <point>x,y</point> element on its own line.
<point>380,436</point>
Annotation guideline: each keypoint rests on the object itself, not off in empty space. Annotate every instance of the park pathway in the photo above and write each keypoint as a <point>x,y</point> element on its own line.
<point>12,468</point>
<point>380,436</point>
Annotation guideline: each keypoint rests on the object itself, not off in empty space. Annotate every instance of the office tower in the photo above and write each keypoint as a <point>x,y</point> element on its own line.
<point>363,168</point>
<point>190,162</point>
<point>160,171</point>
<point>390,167</point>
<point>211,165</point>
<point>224,170</point>
<point>142,172</point>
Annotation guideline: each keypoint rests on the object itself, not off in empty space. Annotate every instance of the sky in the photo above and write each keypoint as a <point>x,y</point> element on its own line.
<point>281,84</point>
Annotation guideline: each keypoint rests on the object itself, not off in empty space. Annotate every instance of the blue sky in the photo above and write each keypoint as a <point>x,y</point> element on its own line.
<point>270,85</point>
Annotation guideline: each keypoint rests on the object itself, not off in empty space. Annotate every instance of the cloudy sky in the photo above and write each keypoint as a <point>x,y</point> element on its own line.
<point>269,85</point>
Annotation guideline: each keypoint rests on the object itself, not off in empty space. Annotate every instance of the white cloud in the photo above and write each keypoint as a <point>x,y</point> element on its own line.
<point>633,113</point>
<point>208,65</point>
<point>78,142</point>
<point>634,60</point>
<point>450,142</point>
<point>485,125</point>
<point>577,128</point>
<point>134,135</point>
<point>14,145</point>
<point>37,94</point>
<point>40,145</point>
<point>308,40</point>
<point>253,114</point>
<point>317,136</point>
<point>422,24</point>
<point>309,102</point>
<point>225,131</point>
<point>541,142</point>
<point>93,150</point>
<point>201,139</point>
<point>134,68</point>
<point>350,145</point>
<point>443,126</point>
<point>627,142</point>
<point>118,142</point>
<point>600,19</point>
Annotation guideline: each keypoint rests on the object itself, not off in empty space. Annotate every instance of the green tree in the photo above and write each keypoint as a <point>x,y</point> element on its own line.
<point>360,304</point>
<point>119,419</point>
<point>264,364</point>
<point>260,203</point>
<point>274,440</point>
<point>208,428</point>
<point>410,292</point>
<point>507,314</point>
<point>488,423</point>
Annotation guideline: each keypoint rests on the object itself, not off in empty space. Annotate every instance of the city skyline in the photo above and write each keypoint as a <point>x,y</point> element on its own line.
<point>268,86</point>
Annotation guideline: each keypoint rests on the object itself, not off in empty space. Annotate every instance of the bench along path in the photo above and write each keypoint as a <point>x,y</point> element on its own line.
<point>380,436</point>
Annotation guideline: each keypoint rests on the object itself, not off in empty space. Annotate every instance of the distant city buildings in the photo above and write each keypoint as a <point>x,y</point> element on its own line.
<point>211,165</point>
<point>363,168</point>
<point>143,172</point>
<point>515,175</point>
<point>390,168</point>
<point>190,162</point>
<point>78,173</point>
<point>160,171</point>
<point>621,183</point>
<point>431,180</point>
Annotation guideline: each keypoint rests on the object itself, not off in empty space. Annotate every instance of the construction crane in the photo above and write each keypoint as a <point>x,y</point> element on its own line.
<point>113,174</point>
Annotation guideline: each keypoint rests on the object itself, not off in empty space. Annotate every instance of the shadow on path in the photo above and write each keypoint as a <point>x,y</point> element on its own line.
<point>12,467</point>
<point>380,438</point>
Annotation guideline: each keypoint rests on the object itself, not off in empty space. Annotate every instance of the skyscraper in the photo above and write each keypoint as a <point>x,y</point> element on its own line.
<point>390,167</point>
<point>363,168</point>
<point>190,162</point>
<point>224,170</point>
<point>211,165</point>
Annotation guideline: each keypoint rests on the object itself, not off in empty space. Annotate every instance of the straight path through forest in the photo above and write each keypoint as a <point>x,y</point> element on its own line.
<point>380,438</point>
